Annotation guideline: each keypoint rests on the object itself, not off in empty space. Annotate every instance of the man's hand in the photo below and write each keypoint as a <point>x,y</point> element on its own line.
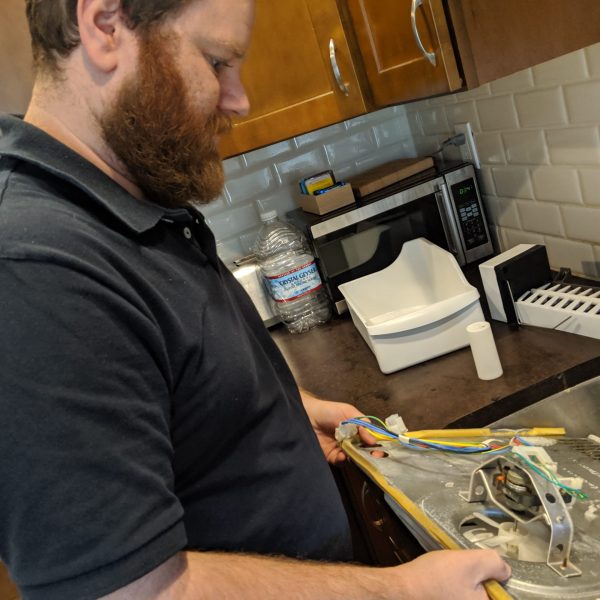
<point>452,574</point>
<point>325,416</point>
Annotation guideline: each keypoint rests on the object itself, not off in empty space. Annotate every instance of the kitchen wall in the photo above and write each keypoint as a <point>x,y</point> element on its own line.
<point>16,77</point>
<point>268,178</point>
<point>537,133</point>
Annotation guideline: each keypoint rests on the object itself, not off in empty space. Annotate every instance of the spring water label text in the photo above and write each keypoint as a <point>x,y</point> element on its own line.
<point>294,283</point>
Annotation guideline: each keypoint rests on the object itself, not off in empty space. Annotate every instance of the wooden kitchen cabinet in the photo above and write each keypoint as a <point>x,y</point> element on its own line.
<point>293,89</point>
<point>495,39</point>
<point>289,75</point>
<point>397,69</point>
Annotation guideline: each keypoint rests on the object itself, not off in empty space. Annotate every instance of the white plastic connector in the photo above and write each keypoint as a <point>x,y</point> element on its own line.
<point>345,431</point>
<point>536,454</point>
<point>468,150</point>
<point>396,424</point>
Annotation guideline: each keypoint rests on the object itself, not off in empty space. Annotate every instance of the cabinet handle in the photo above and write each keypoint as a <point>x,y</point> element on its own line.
<point>430,56</point>
<point>336,70</point>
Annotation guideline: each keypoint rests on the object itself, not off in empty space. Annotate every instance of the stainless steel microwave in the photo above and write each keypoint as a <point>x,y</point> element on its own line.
<point>441,205</point>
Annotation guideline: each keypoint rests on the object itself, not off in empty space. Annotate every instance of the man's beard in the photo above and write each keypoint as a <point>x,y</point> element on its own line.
<point>167,145</point>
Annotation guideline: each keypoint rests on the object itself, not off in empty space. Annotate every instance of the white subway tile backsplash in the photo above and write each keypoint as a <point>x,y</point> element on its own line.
<point>231,166</point>
<point>350,147</point>
<point>486,181</point>
<point>480,92</point>
<point>525,147</point>
<point>582,223</point>
<point>434,121</point>
<point>441,100</point>
<point>268,153</point>
<point>319,135</point>
<point>497,113</point>
<point>540,217</point>
<point>514,237</point>
<point>556,184</point>
<point>590,185</point>
<point>541,107</point>
<point>402,149</point>
<point>462,112</point>
<point>502,211</point>
<point>302,165</point>
<point>512,182</point>
<point>360,121</point>
<point>391,131</point>
<point>490,148</point>
<point>428,144</point>
<point>233,222</point>
<point>216,206</point>
<point>577,256</point>
<point>592,55</point>
<point>245,187</point>
<point>583,102</point>
<point>414,120</point>
<point>567,68</point>
<point>229,250</point>
<point>574,146</point>
<point>521,80</point>
<point>283,200</point>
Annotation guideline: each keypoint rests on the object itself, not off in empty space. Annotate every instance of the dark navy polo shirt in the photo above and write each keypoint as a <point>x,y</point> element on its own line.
<point>144,407</point>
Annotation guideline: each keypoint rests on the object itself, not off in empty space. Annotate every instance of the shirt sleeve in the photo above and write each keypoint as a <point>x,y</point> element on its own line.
<point>87,500</point>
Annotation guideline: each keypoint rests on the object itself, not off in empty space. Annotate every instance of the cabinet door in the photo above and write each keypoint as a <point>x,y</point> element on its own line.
<point>496,39</point>
<point>397,69</point>
<point>289,75</point>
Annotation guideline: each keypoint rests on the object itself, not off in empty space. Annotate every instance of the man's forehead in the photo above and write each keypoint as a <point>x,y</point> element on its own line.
<point>226,23</point>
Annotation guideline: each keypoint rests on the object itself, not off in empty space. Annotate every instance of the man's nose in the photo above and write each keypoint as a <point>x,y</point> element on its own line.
<point>234,100</point>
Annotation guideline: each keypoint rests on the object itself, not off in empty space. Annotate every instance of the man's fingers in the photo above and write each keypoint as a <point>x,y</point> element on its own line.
<point>492,566</point>
<point>366,437</point>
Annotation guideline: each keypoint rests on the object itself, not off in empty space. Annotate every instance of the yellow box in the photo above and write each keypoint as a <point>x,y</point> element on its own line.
<point>327,202</point>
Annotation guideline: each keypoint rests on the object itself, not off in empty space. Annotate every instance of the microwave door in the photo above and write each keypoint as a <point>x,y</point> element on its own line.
<point>449,223</point>
<point>346,258</point>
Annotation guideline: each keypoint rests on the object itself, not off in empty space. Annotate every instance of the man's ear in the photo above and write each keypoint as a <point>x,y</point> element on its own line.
<point>101,29</point>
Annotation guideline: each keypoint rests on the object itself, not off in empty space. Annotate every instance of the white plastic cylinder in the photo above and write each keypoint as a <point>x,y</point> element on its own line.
<point>483,347</point>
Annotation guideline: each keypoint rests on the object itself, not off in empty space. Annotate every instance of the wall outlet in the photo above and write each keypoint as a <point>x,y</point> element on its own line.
<point>468,150</point>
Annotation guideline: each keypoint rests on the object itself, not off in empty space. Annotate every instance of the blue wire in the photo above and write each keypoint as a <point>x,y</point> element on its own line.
<point>417,444</point>
<point>523,441</point>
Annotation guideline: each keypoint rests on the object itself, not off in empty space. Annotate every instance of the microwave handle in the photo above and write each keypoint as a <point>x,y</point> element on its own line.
<point>445,207</point>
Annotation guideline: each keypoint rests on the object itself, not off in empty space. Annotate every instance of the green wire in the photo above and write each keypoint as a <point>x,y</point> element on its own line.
<point>571,491</point>
<point>378,420</point>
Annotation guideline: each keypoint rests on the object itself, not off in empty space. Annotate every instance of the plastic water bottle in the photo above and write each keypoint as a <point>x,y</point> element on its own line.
<point>290,275</point>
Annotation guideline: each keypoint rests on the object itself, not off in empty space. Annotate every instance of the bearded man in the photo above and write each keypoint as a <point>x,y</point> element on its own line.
<point>154,444</point>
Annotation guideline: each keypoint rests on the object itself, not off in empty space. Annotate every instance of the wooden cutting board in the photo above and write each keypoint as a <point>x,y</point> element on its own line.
<point>388,173</point>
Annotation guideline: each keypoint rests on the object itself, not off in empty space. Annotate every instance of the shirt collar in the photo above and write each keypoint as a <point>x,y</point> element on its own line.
<point>23,141</point>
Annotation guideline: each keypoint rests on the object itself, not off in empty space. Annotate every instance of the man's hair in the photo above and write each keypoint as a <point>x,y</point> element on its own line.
<point>55,34</point>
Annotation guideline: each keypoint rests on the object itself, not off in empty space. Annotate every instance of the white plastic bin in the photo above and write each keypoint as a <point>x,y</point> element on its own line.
<point>415,309</point>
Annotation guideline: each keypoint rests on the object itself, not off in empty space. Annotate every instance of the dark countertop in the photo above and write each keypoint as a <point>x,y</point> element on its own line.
<point>334,362</point>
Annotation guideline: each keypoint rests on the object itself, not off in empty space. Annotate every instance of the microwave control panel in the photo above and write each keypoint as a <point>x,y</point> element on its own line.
<point>469,212</point>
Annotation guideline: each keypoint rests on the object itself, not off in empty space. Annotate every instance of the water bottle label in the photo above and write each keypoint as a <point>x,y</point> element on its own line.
<point>295,283</point>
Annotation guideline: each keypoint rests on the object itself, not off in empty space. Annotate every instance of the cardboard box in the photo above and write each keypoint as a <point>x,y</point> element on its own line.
<point>327,202</point>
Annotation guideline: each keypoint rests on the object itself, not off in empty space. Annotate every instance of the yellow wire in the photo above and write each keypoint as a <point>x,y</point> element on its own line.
<point>457,444</point>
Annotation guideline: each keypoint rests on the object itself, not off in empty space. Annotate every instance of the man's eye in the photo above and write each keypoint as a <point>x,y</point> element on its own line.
<point>217,64</point>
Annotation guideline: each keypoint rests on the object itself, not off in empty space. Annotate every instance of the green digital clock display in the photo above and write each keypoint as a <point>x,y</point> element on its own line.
<point>465,190</point>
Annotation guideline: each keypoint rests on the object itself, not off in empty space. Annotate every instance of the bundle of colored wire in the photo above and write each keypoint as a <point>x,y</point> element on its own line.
<point>549,476</point>
<point>382,432</point>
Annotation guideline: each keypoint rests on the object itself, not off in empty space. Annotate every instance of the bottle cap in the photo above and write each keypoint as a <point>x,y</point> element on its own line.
<point>268,215</point>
